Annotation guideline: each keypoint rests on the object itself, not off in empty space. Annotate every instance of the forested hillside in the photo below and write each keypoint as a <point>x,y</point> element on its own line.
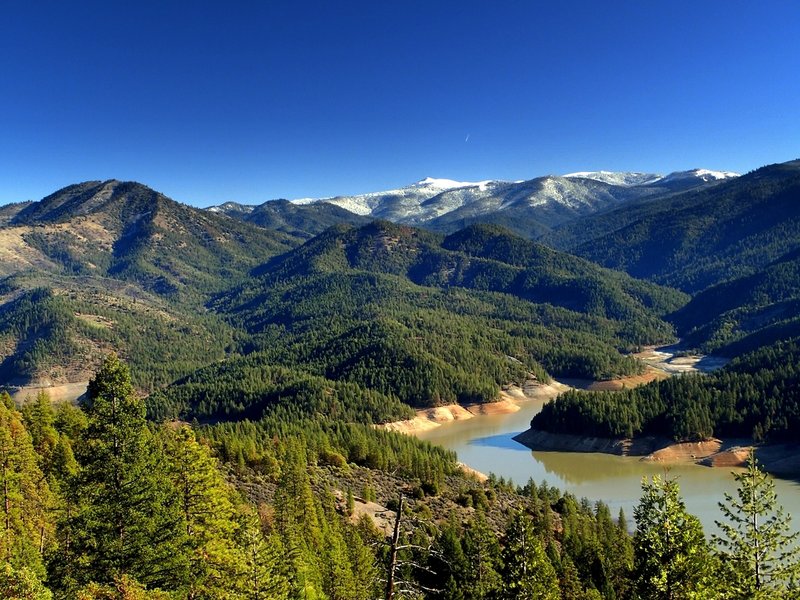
<point>425,319</point>
<point>756,396</point>
<point>299,220</point>
<point>699,238</point>
<point>746,313</point>
<point>99,504</point>
<point>104,266</point>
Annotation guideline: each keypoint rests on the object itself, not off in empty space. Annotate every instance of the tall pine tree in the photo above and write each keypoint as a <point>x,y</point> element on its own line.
<point>671,555</point>
<point>126,518</point>
<point>528,574</point>
<point>25,497</point>
<point>760,555</point>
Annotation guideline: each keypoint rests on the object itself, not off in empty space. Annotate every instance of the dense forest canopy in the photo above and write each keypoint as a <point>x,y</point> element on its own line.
<point>755,396</point>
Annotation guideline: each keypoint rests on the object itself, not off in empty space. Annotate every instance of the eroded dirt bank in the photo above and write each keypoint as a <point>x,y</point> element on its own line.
<point>779,459</point>
<point>509,401</point>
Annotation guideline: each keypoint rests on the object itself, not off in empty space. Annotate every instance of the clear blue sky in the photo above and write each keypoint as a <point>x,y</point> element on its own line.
<point>247,101</point>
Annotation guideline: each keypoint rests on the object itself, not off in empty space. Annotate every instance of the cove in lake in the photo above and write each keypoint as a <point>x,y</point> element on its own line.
<point>485,443</point>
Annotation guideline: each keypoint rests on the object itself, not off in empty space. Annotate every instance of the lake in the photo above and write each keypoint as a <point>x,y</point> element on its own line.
<point>485,443</point>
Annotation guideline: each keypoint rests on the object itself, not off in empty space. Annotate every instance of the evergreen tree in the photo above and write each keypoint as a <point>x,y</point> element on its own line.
<point>126,518</point>
<point>27,530</point>
<point>123,588</point>
<point>760,555</point>
<point>263,572</point>
<point>39,420</point>
<point>21,584</point>
<point>209,515</point>
<point>482,555</point>
<point>527,574</point>
<point>671,556</point>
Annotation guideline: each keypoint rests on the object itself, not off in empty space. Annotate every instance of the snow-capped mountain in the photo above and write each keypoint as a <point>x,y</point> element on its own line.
<point>393,204</point>
<point>434,202</point>
<point>701,174</point>
<point>616,177</point>
<point>633,179</point>
<point>529,207</point>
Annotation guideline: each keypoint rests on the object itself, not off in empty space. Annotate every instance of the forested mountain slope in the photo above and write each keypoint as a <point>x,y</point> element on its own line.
<point>113,265</point>
<point>300,220</point>
<point>699,238</point>
<point>128,231</point>
<point>745,313</point>
<point>426,319</point>
<point>756,395</point>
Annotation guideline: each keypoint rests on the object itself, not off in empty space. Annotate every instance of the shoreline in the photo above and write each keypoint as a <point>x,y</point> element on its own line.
<point>777,459</point>
<point>510,401</point>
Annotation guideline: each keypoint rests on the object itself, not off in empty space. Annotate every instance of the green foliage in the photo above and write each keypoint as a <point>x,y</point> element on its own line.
<point>39,323</point>
<point>25,498</point>
<point>126,518</point>
<point>761,558</point>
<point>248,388</point>
<point>21,584</point>
<point>123,588</point>
<point>66,333</point>
<point>741,315</point>
<point>671,556</point>
<point>256,443</point>
<point>527,573</point>
<point>700,238</point>
<point>754,396</point>
<point>431,321</point>
<point>209,515</point>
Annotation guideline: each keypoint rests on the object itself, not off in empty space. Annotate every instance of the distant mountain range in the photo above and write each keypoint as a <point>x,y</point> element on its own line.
<point>700,237</point>
<point>107,265</point>
<point>530,208</point>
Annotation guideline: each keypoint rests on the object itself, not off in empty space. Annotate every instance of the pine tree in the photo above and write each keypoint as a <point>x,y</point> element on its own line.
<point>528,574</point>
<point>760,555</point>
<point>126,517</point>
<point>209,515</point>
<point>25,497</point>
<point>263,572</point>
<point>39,420</point>
<point>21,584</point>
<point>482,556</point>
<point>671,556</point>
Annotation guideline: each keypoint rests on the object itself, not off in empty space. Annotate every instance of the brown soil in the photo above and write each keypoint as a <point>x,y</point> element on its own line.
<point>68,392</point>
<point>686,451</point>
<point>509,401</point>
<point>477,475</point>
<point>564,442</point>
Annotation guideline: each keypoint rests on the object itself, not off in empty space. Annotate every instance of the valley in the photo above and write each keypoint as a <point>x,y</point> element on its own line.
<point>298,346</point>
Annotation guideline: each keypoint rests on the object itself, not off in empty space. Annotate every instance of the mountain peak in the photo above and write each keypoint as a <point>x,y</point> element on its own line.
<point>626,178</point>
<point>446,184</point>
<point>630,179</point>
<point>702,174</point>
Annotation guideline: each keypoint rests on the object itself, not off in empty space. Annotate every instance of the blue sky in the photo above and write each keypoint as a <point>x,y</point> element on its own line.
<point>248,101</point>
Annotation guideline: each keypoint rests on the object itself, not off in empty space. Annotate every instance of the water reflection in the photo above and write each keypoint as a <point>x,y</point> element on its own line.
<point>503,440</point>
<point>485,443</point>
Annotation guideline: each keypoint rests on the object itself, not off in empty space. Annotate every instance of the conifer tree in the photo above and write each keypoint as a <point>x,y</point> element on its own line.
<point>25,497</point>
<point>127,519</point>
<point>21,584</point>
<point>760,555</point>
<point>39,420</point>
<point>263,572</point>
<point>482,555</point>
<point>671,556</point>
<point>209,515</point>
<point>528,574</point>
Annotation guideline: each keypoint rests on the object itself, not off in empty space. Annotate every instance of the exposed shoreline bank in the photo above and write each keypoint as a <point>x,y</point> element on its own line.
<point>510,401</point>
<point>779,459</point>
